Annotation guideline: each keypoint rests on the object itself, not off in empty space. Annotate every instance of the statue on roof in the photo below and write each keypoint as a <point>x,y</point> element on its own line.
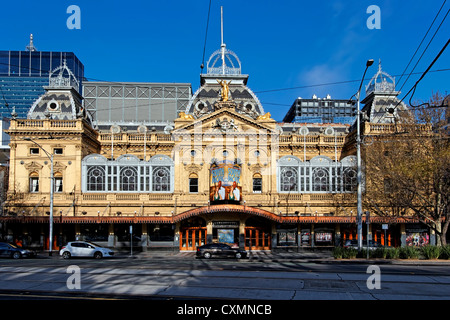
<point>225,89</point>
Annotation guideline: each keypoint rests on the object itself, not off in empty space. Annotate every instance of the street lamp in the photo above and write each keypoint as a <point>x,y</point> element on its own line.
<point>358,156</point>
<point>50,156</point>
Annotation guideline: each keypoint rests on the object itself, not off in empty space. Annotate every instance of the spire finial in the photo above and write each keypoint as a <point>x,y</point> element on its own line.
<point>221,26</point>
<point>222,45</point>
<point>30,46</point>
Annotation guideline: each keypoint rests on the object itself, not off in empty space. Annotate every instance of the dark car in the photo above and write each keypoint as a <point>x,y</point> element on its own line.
<point>12,251</point>
<point>220,250</point>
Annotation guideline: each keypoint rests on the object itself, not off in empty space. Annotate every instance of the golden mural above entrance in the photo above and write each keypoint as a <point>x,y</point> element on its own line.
<point>225,182</point>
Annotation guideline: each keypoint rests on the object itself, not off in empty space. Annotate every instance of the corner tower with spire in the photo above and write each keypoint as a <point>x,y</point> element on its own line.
<point>381,104</point>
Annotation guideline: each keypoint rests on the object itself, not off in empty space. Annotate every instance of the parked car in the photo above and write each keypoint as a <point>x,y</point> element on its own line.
<point>354,244</point>
<point>84,249</point>
<point>220,250</point>
<point>16,252</point>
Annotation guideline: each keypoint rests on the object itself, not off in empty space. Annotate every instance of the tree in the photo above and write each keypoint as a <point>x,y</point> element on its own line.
<point>408,168</point>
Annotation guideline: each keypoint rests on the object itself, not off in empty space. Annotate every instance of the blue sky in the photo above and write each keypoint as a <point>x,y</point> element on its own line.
<point>289,48</point>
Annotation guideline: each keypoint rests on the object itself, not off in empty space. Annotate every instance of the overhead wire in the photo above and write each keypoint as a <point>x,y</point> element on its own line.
<point>426,47</point>
<point>413,88</point>
<point>420,44</point>
<point>206,36</point>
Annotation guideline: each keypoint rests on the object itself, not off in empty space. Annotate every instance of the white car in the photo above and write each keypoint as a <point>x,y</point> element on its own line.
<point>84,249</point>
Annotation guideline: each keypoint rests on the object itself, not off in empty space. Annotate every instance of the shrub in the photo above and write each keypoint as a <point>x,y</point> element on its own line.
<point>338,252</point>
<point>349,253</point>
<point>431,252</point>
<point>408,253</point>
<point>445,252</point>
<point>363,253</point>
<point>380,253</point>
<point>392,253</point>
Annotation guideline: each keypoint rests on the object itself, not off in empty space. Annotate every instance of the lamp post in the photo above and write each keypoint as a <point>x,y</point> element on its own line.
<point>50,156</point>
<point>358,156</point>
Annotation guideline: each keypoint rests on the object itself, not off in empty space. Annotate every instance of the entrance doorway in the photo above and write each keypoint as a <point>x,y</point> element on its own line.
<point>257,239</point>
<point>257,234</point>
<point>193,237</point>
<point>192,233</point>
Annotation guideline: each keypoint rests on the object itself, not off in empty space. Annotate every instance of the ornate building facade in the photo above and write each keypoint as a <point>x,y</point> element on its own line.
<point>224,171</point>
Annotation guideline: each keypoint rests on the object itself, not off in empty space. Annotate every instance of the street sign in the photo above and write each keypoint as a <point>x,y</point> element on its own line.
<point>385,226</point>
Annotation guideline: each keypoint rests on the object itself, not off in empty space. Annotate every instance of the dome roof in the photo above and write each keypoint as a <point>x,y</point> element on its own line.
<point>62,77</point>
<point>381,82</point>
<point>223,62</point>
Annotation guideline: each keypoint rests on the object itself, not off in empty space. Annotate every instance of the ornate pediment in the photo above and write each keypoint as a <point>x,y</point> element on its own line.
<point>33,166</point>
<point>225,119</point>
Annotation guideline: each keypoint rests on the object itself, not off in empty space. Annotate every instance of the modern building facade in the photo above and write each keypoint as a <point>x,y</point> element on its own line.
<point>222,171</point>
<point>126,102</point>
<point>23,74</point>
<point>321,110</point>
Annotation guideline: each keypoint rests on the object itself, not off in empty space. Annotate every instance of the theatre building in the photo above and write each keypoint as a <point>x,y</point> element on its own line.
<point>222,171</point>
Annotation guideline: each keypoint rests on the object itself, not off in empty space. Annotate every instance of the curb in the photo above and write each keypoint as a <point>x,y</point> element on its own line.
<point>269,257</point>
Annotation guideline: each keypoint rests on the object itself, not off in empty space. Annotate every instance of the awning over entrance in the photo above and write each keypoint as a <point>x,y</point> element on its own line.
<point>224,208</point>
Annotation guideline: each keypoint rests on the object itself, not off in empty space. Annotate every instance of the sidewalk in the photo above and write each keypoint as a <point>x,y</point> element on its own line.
<point>268,256</point>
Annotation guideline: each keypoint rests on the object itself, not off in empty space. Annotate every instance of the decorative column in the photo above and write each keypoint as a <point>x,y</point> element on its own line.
<point>176,238</point>
<point>402,235</point>
<point>77,232</point>
<point>144,237</point>
<point>242,233</point>
<point>337,235</point>
<point>274,236</point>
<point>209,231</point>
<point>111,238</point>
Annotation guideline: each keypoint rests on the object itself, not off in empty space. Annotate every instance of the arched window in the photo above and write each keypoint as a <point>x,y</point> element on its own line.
<point>127,173</point>
<point>34,182</point>
<point>96,179</point>
<point>321,180</point>
<point>58,182</point>
<point>193,183</point>
<point>128,179</point>
<point>320,174</point>
<point>257,183</point>
<point>350,181</point>
<point>161,179</point>
<point>288,179</point>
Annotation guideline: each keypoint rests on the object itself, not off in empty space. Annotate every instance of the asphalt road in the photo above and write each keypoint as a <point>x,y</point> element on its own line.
<point>182,276</point>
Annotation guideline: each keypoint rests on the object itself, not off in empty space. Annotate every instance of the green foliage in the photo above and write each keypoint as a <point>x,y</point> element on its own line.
<point>337,252</point>
<point>363,253</point>
<point>349,253</point>
<point>344,253</point>
<point>408,253</point>
<point>428,252</point>
<point>392,253</point>
<point>431,252</point>
<point>445,252</point>
<point>380,253</point>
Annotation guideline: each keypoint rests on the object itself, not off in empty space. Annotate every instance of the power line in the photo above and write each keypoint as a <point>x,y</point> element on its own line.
<point>420,44</point>
<point>423,75</point>
<point>206,35</point>
<point>87,79</point>
<point>335,83</point>
<point>426,47</point>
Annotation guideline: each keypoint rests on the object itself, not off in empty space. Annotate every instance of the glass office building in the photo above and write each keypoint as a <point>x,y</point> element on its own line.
<point>23,75</point>
<point>317,110</point>
<point>135,102</point>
